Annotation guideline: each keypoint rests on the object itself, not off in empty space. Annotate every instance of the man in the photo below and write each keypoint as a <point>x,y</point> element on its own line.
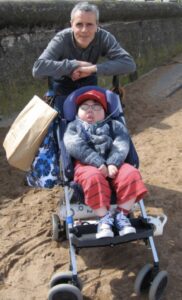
<point>71,57</point>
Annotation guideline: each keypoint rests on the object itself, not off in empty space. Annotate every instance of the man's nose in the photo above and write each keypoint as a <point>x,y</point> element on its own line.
<point>84,28</point>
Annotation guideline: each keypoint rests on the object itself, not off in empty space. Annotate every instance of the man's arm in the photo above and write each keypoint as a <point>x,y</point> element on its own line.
<point>118,61</point>
<point>49,62</point>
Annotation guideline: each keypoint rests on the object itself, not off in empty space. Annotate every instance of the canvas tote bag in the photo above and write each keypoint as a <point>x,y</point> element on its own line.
<point>27,132</point>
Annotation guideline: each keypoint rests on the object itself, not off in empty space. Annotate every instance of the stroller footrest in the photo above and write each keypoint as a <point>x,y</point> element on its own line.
<point>84,236</point>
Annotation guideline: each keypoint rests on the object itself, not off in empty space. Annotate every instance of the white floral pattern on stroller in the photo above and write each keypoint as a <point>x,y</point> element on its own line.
<point>45,171</point>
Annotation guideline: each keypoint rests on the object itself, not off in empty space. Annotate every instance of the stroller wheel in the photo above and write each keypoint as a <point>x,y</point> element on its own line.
<point>64,292</point>
<point>58,232</point>
<point>64,277</point>
<point>158,286</point>
<point>143,279</point>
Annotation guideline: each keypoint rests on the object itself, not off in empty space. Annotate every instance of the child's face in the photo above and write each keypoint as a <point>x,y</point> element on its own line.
<point>91,112</point>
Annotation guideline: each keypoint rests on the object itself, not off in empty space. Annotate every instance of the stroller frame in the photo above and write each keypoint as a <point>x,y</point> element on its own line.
<point>82,235</point>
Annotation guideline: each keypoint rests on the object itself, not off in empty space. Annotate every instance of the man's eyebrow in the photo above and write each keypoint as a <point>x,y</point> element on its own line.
<point>81,23</point>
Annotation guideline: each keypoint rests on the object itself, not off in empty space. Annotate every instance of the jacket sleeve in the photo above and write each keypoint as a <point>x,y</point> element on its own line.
<point>120,146</point>
<point>119,61</point>
<point>49,63</point>
<point>79,149</point>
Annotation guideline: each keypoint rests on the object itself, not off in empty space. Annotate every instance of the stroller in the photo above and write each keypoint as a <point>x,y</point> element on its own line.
<point>76,222</point>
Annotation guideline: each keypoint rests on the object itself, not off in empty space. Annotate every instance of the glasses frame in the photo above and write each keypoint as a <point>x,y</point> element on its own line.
<point>94,107</point>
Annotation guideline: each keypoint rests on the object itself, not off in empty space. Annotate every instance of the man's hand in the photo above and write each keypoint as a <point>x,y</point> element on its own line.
<point>112,171</point>
<point>83,63</point>
<point>76,73</point>
<point>103,170</point>
<point>83,71</point>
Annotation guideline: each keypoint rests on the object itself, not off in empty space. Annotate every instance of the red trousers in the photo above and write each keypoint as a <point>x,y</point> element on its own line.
<point>127,184</point>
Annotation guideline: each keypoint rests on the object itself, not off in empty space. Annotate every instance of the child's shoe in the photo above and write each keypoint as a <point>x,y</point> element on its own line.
<point>123,225</point>
<point>104,228</point>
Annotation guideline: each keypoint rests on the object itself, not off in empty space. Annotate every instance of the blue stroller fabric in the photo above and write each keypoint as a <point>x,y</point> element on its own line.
<point>114,107</point>
<point>45,171</point>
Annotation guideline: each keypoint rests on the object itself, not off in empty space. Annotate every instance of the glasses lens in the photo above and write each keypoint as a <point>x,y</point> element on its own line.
<point>95,107</point>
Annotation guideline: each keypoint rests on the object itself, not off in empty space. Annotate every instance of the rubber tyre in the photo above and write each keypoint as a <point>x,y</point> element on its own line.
<point>64,292</point>
<point>143,279</point>
<point>58,230</point>
<point>158,286</point>
<point>55,227</point>
<point>63,278</point>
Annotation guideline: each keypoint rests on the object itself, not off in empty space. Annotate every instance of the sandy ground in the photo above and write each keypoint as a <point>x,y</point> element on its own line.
<point>29,257</point>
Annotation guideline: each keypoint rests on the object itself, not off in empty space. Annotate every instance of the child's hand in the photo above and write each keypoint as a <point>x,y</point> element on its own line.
<point>103,170</point>
<point>112,171</point>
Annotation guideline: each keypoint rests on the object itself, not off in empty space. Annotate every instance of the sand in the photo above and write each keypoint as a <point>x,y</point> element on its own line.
<point>29,257</point>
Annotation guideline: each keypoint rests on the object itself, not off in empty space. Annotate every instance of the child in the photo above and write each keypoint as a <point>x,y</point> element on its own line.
<point>99,164</point>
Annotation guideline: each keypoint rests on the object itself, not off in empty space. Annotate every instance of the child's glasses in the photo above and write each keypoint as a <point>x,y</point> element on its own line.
<point>94,107</point>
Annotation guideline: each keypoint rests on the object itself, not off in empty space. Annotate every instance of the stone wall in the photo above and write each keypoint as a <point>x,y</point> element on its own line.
<point>151,32</point>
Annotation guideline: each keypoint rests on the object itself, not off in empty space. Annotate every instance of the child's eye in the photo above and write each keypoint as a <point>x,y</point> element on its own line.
<point>97,107</point>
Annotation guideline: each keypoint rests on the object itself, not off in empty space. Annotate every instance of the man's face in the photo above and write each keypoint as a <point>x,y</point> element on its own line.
<point>84,26</point>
